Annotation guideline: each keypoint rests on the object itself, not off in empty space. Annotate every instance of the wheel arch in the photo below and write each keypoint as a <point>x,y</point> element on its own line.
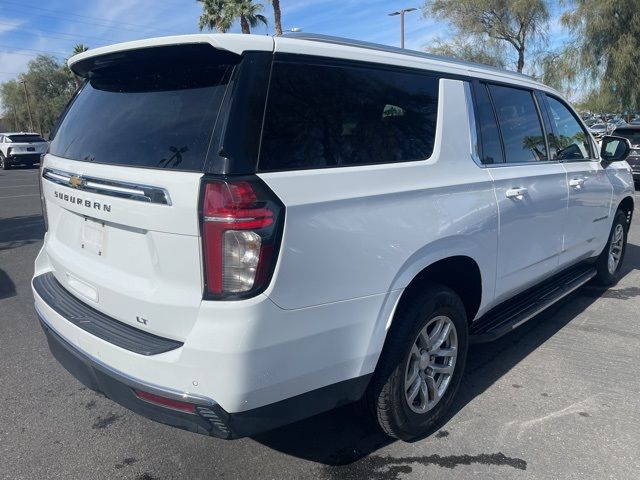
<point>460,273</point>
<point>627,205</point>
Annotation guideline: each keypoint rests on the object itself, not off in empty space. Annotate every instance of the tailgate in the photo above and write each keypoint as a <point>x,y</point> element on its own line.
<point>135,260</point>
<point>121,182</point>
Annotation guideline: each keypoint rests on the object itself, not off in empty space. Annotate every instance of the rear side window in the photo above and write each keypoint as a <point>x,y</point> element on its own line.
<point>25,138</point>
<point>520,125</point>
<point>153,107</point>
<point>488,128</point>
<point>570,140</point>
<point>321,116</point>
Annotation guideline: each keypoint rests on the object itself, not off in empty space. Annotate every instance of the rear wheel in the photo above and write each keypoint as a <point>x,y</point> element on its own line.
<point>421,364</point>
<point>4,164</point>
<point>610,261</point>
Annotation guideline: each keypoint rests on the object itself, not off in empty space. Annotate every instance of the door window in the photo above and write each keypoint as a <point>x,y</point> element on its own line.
<point>488,128</point>
<point>570,139</point>
<point>520,125</point>
<point>333,115</point>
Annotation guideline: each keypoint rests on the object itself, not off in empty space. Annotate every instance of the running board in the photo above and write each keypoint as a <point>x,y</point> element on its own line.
<point>513,313</point>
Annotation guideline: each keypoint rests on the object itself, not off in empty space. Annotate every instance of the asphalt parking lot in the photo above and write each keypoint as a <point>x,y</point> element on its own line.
<point>558,398</point>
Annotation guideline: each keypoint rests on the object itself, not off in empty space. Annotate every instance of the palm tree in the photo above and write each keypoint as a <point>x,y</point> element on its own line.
<point>277,16</point>
<point>221,14</point>
<point>78,48</point>
<point>216,15</point>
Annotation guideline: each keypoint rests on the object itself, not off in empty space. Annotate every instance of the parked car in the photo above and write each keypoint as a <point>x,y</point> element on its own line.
<point>599,129</point>
<point>632,133</point>
<point>286,225</point>
<point>21,149</point>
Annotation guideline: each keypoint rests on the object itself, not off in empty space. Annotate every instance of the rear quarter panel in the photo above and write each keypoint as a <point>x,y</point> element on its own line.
<point>361,231</point>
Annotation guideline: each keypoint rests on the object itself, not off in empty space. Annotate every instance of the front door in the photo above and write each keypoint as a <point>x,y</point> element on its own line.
<point>590,190</point>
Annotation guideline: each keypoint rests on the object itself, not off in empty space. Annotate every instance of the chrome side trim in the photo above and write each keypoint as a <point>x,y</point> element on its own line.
<point>128,379</point>
<point>113,188</point>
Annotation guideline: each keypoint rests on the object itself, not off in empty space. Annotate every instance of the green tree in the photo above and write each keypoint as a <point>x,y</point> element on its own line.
<point>607,36</point>
<point>488,53</point>
<point>49,86</point>
<point>78,48</point>
<point>602,101</point>
<point>558,69</point>
<point>222,14</point>
<point>519,23</point>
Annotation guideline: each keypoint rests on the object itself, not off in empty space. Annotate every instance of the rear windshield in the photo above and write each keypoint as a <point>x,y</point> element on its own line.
<point>151,108</point>
<point>25,138</point>
<point>632,134</point>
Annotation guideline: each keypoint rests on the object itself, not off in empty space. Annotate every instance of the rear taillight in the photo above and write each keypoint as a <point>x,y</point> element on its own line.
<point>241,225</point>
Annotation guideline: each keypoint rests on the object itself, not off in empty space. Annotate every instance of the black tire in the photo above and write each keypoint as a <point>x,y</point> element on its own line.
<point>3,163</point>
<point>385,396</point>
<point>605,277</point>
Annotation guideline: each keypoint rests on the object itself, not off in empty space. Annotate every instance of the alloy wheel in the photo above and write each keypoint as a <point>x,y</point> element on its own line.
<point>615,249</point>
<point>431,364</point>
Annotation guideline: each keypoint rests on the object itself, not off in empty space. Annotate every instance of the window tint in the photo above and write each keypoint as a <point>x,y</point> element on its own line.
<point>153,107</point>
<point>488,128</point>
<point>25,138</point>
<point>520,125</point>
<point>322,116</point>
<point>570,140</point>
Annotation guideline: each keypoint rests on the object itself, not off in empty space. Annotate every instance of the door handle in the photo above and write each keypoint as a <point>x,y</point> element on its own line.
<point>576,182</point>
<point>517,193</point>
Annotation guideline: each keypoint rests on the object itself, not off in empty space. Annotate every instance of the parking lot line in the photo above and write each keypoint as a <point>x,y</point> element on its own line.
<point>17,196</point>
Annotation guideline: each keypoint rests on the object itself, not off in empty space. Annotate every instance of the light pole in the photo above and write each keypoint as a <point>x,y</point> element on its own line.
<point>26,97</point>
<point>401,13</point>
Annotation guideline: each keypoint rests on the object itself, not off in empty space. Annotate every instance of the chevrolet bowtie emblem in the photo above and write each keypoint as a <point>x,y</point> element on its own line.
<point>75,181</point>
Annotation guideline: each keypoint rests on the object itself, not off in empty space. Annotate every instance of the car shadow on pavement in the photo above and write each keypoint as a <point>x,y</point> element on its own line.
<point>19,231</point>
<point>345,435</point>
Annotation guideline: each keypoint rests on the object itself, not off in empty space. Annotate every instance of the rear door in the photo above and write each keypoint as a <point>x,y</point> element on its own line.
<point>122,180</point>
<point>531,190</point>
<point>590,189</point>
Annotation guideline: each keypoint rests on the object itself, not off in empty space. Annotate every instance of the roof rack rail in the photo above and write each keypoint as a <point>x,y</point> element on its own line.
<point>402,51</point>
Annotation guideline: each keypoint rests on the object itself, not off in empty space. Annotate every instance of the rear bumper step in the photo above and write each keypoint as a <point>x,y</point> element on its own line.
<point>504,318</point>
<point>208,418</point>
<point>97,323</point>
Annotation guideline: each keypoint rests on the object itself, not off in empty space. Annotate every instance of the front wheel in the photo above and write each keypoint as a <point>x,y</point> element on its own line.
<point>3,162</point>
<point>421,364</point>
<point>610,260</point>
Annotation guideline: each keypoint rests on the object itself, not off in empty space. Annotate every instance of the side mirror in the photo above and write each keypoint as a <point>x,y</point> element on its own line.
<point>614,149</point>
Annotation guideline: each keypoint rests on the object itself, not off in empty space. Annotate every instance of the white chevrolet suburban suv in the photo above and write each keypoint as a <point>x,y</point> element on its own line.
<point>21,149</point>
<point>245,231</point>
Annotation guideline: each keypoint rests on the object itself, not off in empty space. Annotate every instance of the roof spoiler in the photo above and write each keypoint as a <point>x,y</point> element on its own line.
<point>83,63</point>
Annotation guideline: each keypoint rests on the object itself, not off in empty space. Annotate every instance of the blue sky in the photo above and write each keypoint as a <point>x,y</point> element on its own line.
<point>28,27</point>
